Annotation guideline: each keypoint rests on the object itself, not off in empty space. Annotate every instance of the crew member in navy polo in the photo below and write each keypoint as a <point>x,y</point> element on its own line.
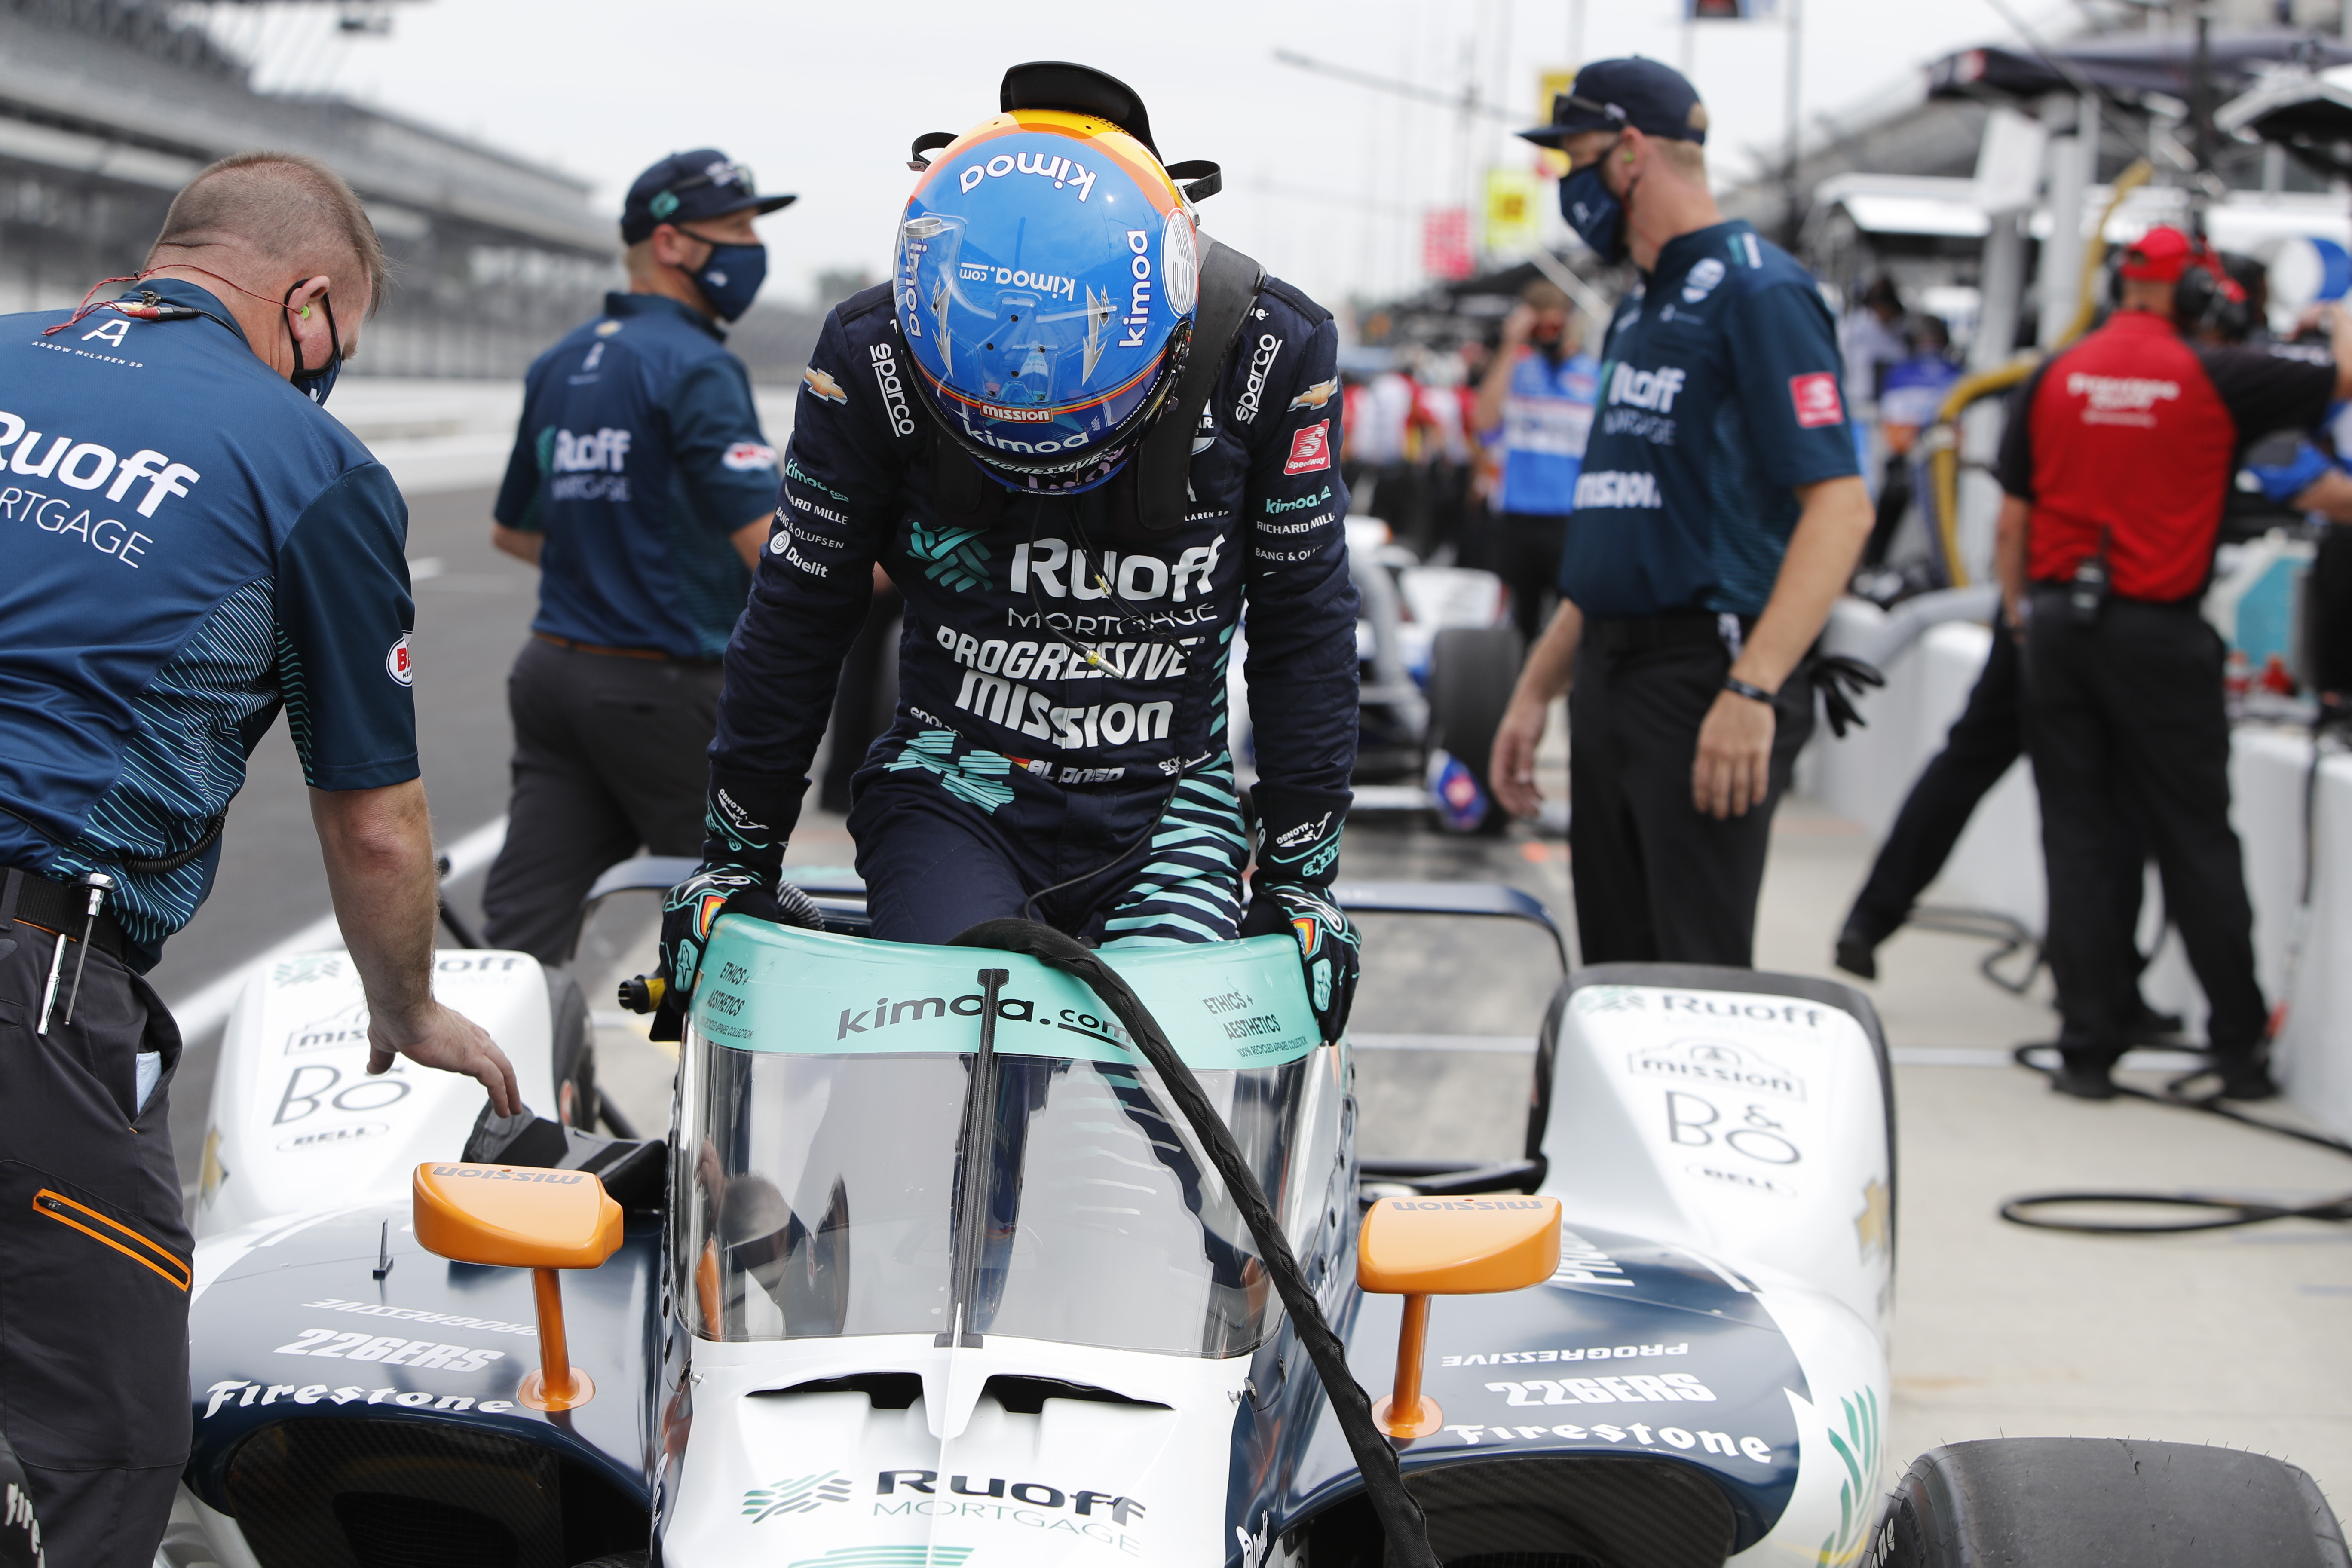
<point>193,546</point>
<point>641,487</point>
<point>1719,515</point>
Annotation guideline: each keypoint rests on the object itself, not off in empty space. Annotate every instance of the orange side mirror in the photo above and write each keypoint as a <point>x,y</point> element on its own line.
<point>516,1217</point>
<point>1419,1247</point>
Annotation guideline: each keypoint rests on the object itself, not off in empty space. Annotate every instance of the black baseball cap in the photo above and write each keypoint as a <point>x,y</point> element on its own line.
<point>1610,95</point>
<point>687,187</point>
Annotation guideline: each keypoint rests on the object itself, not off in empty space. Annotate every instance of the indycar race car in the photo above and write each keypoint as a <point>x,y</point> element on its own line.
<point>977,1255</point>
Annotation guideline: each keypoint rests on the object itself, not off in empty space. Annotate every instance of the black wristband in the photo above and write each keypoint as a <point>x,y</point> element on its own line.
<point>1740,688</point>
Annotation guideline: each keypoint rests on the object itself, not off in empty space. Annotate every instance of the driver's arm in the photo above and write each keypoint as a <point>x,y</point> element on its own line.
<point>842,472</point>
<point>1302,603</point>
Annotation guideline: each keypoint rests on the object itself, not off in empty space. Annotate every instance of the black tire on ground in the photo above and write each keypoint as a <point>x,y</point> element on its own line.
<point>573,1047</point>
<point>1471,672</point>
<point>618,1560</point>
<point>2087,1502</point>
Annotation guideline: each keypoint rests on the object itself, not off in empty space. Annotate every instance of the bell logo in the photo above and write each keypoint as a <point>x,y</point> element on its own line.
<point>396,665</point>
<point>1310,450</point>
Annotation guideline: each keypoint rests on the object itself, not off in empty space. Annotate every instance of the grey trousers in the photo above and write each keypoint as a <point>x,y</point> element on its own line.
<point>609,758</point>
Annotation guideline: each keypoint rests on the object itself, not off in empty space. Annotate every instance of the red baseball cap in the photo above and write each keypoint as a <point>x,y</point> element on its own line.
<point>2159,255</point>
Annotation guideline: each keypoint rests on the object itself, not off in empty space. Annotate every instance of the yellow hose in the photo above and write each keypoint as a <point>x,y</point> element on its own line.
<point>1944,456</point>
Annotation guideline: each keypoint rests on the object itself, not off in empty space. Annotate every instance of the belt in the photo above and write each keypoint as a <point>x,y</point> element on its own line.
<point>51,906</point>
<point>657,654</point>
<point>1676,629</point>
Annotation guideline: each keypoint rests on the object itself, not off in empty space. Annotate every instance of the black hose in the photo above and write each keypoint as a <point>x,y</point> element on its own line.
<point>1400,1518</point>
<point>2230,1213</point>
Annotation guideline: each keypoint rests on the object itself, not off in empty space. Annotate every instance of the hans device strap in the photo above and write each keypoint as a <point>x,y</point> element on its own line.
<point>1229,285</point>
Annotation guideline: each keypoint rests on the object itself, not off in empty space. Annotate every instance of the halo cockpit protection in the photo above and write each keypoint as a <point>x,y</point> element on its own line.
<point>1047,275</point>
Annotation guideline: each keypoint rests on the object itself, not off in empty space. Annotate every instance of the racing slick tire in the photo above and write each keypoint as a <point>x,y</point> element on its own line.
<point>1471,672</point>
<point>2076,1502</point>
<point>573,1044</point>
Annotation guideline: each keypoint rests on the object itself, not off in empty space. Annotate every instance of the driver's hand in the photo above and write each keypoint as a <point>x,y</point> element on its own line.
<point>1328,945</point>
<point>443,1038</point>
<point>1511,766</point>
<point>688,912</point>
<point>1732,769</point>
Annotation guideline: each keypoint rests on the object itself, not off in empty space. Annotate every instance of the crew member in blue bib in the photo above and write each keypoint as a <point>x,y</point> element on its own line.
<point>1538,391</point>
<point>641,487</point>
<point>1719,516</point>
<point>193,546</point>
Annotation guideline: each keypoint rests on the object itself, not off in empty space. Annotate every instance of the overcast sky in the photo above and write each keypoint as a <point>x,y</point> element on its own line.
<point>1324,181</point>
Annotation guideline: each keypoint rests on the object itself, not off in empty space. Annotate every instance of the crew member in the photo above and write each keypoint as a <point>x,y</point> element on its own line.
<point>1719,514</point>
<point>641,487</point>
<point>1078,512</point>
<point>1538,391</point>
<point>191,545</point>
<point>2117,466</point>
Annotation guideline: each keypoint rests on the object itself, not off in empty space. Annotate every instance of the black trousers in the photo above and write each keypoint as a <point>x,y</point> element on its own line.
<point>1989,735</point>
<point>1528,560</point>
<point>2135,700</point>
<point>1656,880</point>
<point>610,757</point>
<point>93,1257</point>
<point>863,702</point>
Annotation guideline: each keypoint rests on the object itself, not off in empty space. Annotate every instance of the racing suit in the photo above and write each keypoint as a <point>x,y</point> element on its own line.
<point>1060,745</point>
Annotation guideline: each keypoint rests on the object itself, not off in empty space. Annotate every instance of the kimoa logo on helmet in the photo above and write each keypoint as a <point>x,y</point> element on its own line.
<point>1064,171</point>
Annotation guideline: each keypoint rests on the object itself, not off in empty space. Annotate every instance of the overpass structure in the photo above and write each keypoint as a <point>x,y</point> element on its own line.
<point>107,107</point>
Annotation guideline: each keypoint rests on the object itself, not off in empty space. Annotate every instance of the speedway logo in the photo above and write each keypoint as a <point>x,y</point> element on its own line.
<point>747,457</point>
<point>1723,1443</point>
<point>1310,450</point>
<point>804,1494</point>
<point>1814,396</point>
<point>1269,348</point>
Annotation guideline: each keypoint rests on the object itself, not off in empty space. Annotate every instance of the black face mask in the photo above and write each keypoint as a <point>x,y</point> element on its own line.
<point>316,383</point>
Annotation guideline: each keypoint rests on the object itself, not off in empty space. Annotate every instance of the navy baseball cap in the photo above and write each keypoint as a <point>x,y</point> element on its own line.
<point>1610,95</point>
<point>687,187</point>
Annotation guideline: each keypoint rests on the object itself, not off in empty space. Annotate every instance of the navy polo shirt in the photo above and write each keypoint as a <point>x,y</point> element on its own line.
<point>1719,394</point>
<point>191,544</point>
<point>639,455</point>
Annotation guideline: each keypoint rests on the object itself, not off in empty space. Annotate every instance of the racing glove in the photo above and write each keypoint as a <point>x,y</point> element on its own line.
<point>741,873</point>
<point>1298,855</point>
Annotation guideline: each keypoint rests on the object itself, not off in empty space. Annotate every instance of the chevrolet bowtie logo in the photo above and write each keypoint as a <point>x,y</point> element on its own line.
<point>823,386</point>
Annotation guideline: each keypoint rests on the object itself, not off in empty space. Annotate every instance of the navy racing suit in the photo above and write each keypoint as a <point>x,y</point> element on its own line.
<point>1061,726</point>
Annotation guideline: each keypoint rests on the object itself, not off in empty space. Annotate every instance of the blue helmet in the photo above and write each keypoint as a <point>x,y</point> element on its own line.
<point>1046,276</point>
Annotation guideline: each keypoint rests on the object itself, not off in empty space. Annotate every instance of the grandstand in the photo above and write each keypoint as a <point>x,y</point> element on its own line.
<point>107,106</point>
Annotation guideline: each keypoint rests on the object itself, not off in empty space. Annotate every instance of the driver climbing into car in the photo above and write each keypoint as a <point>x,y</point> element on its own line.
<point>1009,429</point>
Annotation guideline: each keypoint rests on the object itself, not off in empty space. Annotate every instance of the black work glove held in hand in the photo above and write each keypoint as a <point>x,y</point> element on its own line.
<point>1328,950</point>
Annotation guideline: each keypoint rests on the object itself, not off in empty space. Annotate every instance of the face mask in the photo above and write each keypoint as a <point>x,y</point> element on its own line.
<point>1598,217</point>
<point>316,382</point>
<point>732,275</point>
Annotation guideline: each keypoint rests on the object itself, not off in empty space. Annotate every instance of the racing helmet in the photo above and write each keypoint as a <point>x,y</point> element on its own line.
<point>1047,275</point>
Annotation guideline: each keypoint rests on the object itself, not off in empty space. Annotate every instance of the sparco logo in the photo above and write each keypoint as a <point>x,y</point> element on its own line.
<point>1269,347</point>
<point>894,396</point>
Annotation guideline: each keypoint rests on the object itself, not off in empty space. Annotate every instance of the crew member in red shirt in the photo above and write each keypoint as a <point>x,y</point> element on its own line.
<point>2119,456</point>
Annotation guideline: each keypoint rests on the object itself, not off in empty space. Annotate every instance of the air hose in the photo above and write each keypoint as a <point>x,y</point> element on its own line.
<point>1400,1516</point>
<point>2224,1213</point>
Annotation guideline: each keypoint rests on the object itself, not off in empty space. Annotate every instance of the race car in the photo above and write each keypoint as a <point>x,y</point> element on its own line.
<point>956,1257</point>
